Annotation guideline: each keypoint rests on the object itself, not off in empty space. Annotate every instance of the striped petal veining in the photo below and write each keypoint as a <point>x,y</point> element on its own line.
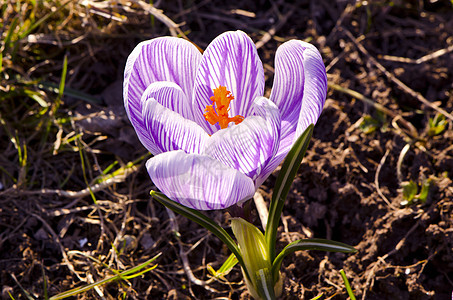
<point>198,181</point>
<point>249,146</point>
<point>231,60</point>
<point>167,129</point>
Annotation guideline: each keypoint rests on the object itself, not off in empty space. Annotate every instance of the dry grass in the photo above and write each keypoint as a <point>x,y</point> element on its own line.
<point>74,196</point>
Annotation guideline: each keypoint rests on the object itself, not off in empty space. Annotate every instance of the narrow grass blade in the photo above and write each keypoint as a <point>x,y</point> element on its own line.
<point>33,26</point>
<point>204,221</point>
<point>11,296</point>
<point>310,244</point>
<point>317,297</point>
<point>128,274</point>
<point>42,20</point>
<point>53,87</point>
<point>27,294</point>
<point>284,180</point>
<point>84,173</point>
<point>57,103</point>
<point>37,97</point>
<point>63,77</point>
<point>226,267</point>
<point>7,41</point>
<point>43,274</point>
<point>124,170</point>
<point>2,169</point>
<point>348,286</point>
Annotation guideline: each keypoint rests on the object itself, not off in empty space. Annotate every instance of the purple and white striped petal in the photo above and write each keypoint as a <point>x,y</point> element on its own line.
<point>231,60</point>
<point>300,86</point>
<point>315,89</point>
<point>250,145</point>
<point>299,90</point>
<point>198,181</point>
<point>171,96</point>
<point>167,129</point>
<point>160,59</point>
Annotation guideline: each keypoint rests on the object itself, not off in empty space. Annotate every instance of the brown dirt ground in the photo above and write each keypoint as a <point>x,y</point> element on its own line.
<point>347,188</point>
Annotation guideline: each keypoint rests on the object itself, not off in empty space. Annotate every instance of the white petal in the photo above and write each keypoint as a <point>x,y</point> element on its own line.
<point>250,145</point>
<point>198,181</point>
<point>231,60</point>
<point>169,131</point>
<point>300,87</point>
<point>299,90</point>
<point>171,96</point>
<point>161,59</point>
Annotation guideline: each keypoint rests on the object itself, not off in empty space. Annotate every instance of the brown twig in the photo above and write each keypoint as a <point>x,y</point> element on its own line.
<point>347,11</point>
<point>399,163</point>
<point>412,131</point>
<point>172,26</point>
<point>393,78</point>
<point>420,60</point>
<point>268,35</point>
<point>57,240</point>
<point>376,180</point>
<point>184,258</point>
<point>85,192</point>
<point>261,207</point>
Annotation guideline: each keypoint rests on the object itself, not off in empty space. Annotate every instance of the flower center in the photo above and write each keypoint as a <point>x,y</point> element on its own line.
<point>221,101</point>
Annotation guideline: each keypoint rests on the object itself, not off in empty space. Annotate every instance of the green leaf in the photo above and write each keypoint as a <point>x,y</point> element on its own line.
<point>369,124</point>
<point>348,286</point>
<point>204,221</point>
<point>225,268</point>
<point>310,244</point>
<point>264,284</point>
<point>37,97</point>
<point>9,35</point>
<point>63,77</point>
<point>252,245</point>
<point>410,189</point>
<point>436,125</point>
<point>284,180</point>
<point>425,191</point>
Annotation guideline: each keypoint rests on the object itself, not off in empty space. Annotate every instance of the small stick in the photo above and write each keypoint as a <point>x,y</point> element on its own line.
<point>261,207</point>
<point>268,35</point>
<point>349,9</point>
<point>420,60</point>
<point>403,153</point>
<point>183,255</point>
<point>376,179</point>
<point>412,131</point>
<point>398,82</point>
<point>172,26</point>
<point>58,241</point>
<point>85,192</point>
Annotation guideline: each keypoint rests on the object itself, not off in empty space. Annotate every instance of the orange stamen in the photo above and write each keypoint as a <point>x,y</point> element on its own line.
<point>221,99</point>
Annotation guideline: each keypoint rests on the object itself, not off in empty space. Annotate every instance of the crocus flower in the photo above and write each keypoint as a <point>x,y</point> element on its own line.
<point>214,137</point>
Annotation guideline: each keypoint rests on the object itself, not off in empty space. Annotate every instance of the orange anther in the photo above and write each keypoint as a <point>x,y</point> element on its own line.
<point>221,100</point>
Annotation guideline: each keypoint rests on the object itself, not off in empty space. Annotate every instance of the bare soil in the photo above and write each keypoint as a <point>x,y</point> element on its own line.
<point>348,187</point>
